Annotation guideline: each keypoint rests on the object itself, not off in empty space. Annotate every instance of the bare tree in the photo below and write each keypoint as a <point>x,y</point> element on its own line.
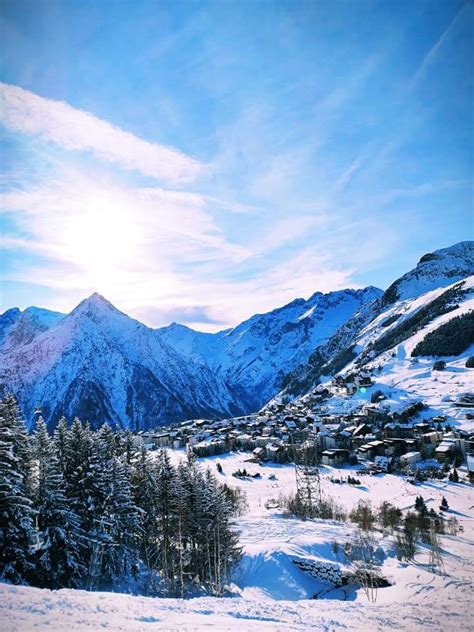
<point>364,564</point>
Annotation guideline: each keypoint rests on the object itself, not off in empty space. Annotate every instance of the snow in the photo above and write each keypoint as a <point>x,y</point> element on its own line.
<point>439,269</point>
<point>269,591</point>
<point>403,378</point>
<point>251,356</point>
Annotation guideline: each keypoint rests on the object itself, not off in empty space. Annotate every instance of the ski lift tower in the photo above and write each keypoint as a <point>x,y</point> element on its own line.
<point>308,482</point>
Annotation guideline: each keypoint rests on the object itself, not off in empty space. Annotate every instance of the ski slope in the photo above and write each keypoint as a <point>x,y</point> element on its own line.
<point>268,590</point>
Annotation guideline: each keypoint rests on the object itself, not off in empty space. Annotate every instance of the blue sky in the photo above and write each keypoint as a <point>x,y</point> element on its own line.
<point>203,161</point>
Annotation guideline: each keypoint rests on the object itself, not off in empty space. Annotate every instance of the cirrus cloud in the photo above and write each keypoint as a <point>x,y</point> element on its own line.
<point>74,129</point>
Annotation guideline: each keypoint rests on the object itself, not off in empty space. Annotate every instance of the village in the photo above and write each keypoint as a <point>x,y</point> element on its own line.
<point>372,436</point>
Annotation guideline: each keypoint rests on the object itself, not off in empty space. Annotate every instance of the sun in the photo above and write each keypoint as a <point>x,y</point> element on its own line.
<point>101,240</point>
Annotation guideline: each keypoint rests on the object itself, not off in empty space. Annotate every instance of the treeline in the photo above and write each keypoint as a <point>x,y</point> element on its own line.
<point>85,509</point>
<point>443,304</point>
<point>450,339</point>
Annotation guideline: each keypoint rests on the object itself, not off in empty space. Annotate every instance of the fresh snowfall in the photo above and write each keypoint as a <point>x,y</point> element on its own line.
<point>310,469</point>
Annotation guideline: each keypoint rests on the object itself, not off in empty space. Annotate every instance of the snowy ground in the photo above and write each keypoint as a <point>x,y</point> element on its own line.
<point>269,591</point>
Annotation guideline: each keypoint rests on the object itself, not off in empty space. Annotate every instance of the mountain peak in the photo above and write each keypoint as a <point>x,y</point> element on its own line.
<point>95,297</point>
<point>95,303</point>
<point>435,269</point>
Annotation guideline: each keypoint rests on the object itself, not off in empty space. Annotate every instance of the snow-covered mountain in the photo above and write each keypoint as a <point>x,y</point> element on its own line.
<point>426,299</point>
<point>18,327</point>
<point>99,364</point>
<point>254,357</point>
<point>435,269</point>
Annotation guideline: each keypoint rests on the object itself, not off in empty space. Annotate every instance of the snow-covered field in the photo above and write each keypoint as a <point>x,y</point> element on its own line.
<point>269,592</point>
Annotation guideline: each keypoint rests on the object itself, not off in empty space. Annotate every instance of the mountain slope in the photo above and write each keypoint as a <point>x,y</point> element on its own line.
<point>254,357</point>
<point>435,269</point>
<point>20,327</point>
<point>100,364</point>
<point>428,290</point>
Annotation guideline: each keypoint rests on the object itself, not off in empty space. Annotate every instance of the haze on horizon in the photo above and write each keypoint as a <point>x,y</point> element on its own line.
<point>200,162</point>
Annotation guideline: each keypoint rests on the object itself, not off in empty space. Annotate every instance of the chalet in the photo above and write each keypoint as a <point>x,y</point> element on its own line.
<point>410,458</point>
<point>335,458</point>
<point>383,462</point>
<point>371,449</point>
<point>260,441</point>
<point>154,440</point>
<point>408,411</point>
<point>422,428</point>
<point>161,440</point>
<point>431,438</point>
<point>243,441</point>
<point>259,453</point>
<point>209,448</point>
<point>275,452</point>
<point>364,380</point>
<point>444,452</point>
<point>362,430</point>
<point>327,441</point>
<point>395,430</point>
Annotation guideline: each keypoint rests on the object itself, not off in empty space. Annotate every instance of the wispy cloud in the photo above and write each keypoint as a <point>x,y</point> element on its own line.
<point>434,52</point>
<point>74,129</point>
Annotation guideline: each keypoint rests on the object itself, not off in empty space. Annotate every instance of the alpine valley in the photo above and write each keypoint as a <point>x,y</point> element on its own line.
<point>99,364</point>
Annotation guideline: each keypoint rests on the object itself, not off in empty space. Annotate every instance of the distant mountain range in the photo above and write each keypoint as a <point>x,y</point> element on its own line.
<point>101,365</point>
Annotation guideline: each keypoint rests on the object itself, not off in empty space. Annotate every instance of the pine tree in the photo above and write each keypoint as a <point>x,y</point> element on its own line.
<point>61,443</point>
<point>164,515</point>
<point>58,552</point>
<point>82,478</point>
<point>144,494</point>
<point>115,516</point>
<point>16,513</point>
<point>420,504</point>
<point>21,440</point>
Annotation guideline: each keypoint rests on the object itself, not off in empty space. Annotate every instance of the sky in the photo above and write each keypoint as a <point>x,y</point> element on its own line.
<point>200,162</point>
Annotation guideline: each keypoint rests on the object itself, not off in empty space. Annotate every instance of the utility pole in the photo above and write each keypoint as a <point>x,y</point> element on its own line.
<point>308,482</point>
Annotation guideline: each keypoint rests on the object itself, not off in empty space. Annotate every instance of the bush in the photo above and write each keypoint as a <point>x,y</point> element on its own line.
<point>241,473</point>
<point>363,515</point>
<point>389,516</point>
<point>470,362</point>
<point>454,476</point>
<point>326,510</point>
<point>439,365</point>
<point>405,543</point>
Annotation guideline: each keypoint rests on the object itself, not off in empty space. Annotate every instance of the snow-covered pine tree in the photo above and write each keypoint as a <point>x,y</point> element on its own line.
<point>144,489</point>
<point>116,518</point>
<point>58,552</point>
<point>81,478</point>
<point>164,516</point>
<point>61,442</point>
<point>16,513</point>
<point>222,542</point>
<point>21,440</point>
<point>125,445</point>
<point>182,508</point>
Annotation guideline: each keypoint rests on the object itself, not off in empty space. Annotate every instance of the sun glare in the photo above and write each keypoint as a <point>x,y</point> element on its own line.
<point>101,240</point>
